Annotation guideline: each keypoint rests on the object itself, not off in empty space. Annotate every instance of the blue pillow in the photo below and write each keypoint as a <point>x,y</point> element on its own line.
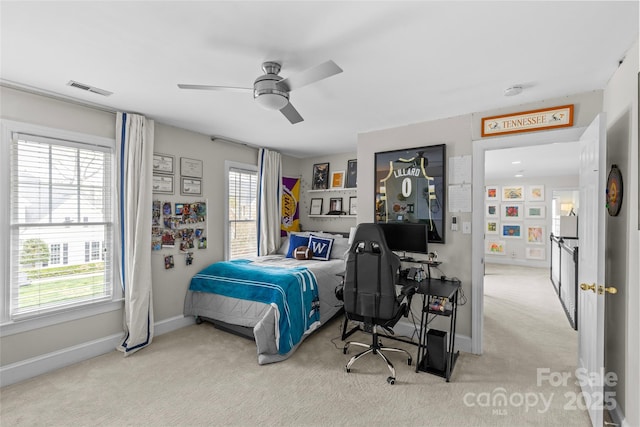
<point>321,247</point>
<point>294,242</point>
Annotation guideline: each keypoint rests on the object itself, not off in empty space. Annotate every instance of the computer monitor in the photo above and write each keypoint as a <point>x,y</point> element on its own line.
<point>406,237</point>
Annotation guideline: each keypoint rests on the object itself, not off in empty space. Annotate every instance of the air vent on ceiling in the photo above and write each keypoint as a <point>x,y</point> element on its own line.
<point>88,88</point>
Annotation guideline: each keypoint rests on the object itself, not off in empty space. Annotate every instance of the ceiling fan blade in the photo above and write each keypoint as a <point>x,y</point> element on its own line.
<point>207,87</point>
<point>313,74</point>
<point>291,114</point>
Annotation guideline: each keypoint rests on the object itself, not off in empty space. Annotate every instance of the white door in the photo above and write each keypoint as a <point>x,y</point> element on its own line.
<point>591,235</point>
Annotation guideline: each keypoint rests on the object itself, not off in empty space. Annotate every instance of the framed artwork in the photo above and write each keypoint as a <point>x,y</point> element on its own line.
<point>535,234</point>
<point>162,184</point>
<point>535,193</point>
<point>316,207</point>
<point>337,179</point>
<point>495,247</point>
<point>191,187</point>
<point>491,227</point>
<point>513,193</point>
<point>163,163</point>
<point>352,173</point>
<point>534,252</point>
<point>512,211</point>
<point>492,210</point>
<point>511,231</point>
<point>491,192</point>
<point>320,180</point>
<point>191,167</point>
<point>353,205</point>
<point>535,211</point>
<point>410,186</point>
<point>335,204</point>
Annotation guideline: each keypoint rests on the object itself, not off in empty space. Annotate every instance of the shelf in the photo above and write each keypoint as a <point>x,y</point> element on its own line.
<point>424,366</point>
<point>332,189</point>
<point>333,216</point>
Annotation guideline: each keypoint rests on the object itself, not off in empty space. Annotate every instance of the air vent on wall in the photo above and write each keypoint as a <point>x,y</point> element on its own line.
<point>88,88</point>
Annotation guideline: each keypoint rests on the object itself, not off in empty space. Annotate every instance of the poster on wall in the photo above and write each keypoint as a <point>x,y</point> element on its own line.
<point>410,187</point>
<point>290,220</point>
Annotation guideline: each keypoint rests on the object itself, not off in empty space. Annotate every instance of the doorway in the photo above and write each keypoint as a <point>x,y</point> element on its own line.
<point>480,149</point>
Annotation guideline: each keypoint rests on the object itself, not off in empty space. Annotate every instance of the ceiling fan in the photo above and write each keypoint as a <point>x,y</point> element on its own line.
<point>271,91</point>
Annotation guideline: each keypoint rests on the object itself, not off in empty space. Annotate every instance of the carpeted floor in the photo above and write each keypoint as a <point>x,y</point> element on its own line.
<point>201,376</point>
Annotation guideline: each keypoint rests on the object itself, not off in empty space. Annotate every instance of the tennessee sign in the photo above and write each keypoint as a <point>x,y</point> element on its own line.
<point>528,121</point>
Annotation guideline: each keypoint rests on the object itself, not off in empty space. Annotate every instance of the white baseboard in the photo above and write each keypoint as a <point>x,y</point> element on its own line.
<point>39,365</point>
<point>616,414</point>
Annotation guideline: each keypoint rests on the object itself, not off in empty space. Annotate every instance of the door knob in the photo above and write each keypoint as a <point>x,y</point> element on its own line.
<point>608,289</point>
<point>586,287</point>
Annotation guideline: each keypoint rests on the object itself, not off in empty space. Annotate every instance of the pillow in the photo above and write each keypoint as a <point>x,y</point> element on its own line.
<point>340,247</point>
<point>321,247</point>
<point>284,247</point>
<point>295,241</point>
<point>302,252</point>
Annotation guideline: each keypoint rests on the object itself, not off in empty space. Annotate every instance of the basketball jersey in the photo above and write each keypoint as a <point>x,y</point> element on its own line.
<point>402,189</point>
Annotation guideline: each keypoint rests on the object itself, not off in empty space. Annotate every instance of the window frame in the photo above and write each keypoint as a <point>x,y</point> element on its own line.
<point>228,166</point>
<point>65,314</point>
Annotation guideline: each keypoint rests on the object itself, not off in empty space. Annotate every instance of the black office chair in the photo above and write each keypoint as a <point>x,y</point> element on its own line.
<point>370,293</point>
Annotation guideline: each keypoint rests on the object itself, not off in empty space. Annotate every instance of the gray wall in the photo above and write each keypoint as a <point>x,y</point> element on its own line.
<point>457,133</point>
<point>169,286</point>
<point>622,235</point>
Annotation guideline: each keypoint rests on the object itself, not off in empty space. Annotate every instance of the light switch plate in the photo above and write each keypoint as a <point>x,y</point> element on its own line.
<point>466,227</point>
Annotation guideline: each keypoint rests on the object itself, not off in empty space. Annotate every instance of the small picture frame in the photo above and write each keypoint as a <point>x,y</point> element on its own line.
<point>352,173</point>
<point>190,167</point>
<point>535,234</point>
<point>316,207</point>
<point>492,227</point>
<point>337,179</point>
<point>535,193</point>
<point>492,210</point>
<point>535,211</point>
<point>512,211</point>
<point>535,252</point>
<point>191,187</point>
<point>495,247</point>
<point>162,184</point>
<point>513,193</point>
<point>492,192</point>
<point>335,204</point>
<point>163,163</point>
<point>511,231</point>
<point>320,179</point>
<point>353,205</point>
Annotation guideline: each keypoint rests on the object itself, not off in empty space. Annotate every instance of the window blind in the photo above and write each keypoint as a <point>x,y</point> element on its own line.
<point>242,212</point>
<point>60,209</point>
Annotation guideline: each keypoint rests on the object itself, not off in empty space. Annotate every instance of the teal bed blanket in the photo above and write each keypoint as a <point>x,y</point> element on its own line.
<point>294,291</point>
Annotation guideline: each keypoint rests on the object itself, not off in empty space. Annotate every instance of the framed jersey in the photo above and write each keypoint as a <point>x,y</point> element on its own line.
<point>410,187</point>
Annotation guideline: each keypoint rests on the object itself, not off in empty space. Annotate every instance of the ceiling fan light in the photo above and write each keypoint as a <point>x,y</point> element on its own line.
<point>272,101</point>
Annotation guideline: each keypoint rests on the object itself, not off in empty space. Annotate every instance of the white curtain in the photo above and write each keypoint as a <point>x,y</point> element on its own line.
<point>269,193</point>
<point>134,136</point>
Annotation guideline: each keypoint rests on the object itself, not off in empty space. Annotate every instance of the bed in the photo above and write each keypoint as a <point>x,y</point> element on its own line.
<point>277,300</point>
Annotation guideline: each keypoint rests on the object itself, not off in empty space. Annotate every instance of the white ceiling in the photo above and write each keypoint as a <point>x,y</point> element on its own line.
<point>403,62</point>
<point>549,160</point>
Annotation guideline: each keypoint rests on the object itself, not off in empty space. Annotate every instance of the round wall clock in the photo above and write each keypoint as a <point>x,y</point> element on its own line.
<point>614,191</point>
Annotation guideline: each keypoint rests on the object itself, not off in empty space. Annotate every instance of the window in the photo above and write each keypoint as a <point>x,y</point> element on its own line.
<point>60,190</point>
<point>55,254</point>
<point>241,234</point>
